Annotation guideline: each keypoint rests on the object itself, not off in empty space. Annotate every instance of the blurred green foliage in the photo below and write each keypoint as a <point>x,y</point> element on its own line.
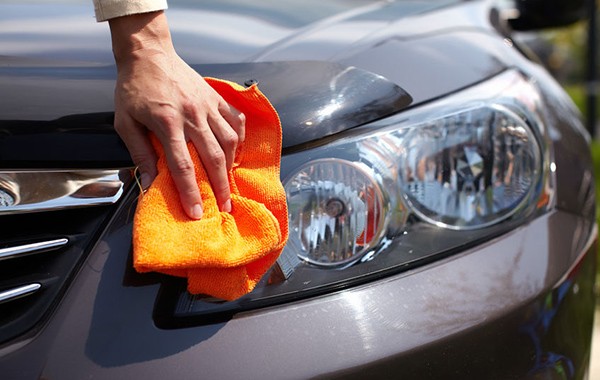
<point>596,157</point>
<point>565,52</point>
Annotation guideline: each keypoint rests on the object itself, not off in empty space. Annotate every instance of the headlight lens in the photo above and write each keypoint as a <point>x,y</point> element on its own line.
<point>335,211</point>
<point>403,191</point>
<point>470,169</point>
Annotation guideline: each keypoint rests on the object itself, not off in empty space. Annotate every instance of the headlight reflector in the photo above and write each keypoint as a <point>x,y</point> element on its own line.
<point>470,169</point>
<point>335,212</point>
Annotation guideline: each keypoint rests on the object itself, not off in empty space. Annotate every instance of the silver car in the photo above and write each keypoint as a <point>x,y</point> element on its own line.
<point>438,180</point>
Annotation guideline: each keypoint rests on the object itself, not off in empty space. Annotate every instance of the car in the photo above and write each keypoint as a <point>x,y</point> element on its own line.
<point>438,180</point>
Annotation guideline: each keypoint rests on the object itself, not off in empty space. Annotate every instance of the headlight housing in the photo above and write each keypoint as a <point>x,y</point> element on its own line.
<point>337,210</point>
<point>404,191</point>
<point>470,169</point>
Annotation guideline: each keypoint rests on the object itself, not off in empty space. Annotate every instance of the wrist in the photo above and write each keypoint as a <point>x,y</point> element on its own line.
<point>140,35</point>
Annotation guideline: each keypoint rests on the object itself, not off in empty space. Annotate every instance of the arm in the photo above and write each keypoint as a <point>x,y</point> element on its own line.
<point>157,91</point>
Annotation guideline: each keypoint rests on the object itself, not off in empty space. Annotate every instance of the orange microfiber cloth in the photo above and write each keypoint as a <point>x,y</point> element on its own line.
<point>223,255</point>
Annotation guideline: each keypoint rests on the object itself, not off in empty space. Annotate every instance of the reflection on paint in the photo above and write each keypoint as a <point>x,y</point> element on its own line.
<point>548,363</point>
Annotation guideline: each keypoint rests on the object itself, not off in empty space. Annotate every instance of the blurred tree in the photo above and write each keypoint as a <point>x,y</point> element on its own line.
<point>566,54</point>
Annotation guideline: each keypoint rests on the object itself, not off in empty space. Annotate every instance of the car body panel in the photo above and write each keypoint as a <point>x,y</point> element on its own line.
<point>315,99</point>
<point>517,306</point>
<point>54,74</point>
<point>104,327</point>
<point>204,32</point>
<point>419,46</point>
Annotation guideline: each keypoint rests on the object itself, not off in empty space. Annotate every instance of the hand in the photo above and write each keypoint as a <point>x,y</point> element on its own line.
<point>157,91</point>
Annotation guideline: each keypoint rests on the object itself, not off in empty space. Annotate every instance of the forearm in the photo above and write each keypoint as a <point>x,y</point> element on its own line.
<point>140,35</point>
<point>156,91</point>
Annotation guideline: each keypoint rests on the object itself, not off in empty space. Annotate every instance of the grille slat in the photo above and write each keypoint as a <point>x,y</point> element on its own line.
<point>21,291</point>
<point>30,248</point>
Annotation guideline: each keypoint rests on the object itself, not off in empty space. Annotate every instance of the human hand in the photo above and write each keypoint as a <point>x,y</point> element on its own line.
<point>157,91</point>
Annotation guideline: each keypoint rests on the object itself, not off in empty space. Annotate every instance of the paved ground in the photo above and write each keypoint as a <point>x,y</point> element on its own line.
<point>595,362</point>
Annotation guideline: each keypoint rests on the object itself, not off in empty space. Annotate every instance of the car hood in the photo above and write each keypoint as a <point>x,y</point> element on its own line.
<point>56,60</point>
<point>213,31</point>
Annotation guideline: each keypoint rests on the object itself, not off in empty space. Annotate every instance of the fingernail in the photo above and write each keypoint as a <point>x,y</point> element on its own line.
<point>227,206</point>
<point>196,211</point>
<point>145,180</point>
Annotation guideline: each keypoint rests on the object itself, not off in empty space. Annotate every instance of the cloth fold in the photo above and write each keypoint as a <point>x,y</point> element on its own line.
<point>223,255</point>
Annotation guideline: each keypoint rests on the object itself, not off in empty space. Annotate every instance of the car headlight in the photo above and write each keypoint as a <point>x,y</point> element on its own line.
<point>406,190</point>
<point>470,169</point>
<point>336,210</point>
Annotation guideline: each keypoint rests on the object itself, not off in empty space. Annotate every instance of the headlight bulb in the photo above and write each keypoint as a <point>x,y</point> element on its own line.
<point>335,211</point>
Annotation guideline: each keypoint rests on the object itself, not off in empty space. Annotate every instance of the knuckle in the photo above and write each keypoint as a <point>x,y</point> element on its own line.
<point>188,192</point>
<point>242,119</point>
<point>166,117</point>
<point>119,127</point>
<point>198,128</point>
<point>242,128</point>
<point>181,166</point>
<point>188,107</point>
<point>230,141</point>
<point>222,190</point>
<point>141,159</point>
<point>217,159</point>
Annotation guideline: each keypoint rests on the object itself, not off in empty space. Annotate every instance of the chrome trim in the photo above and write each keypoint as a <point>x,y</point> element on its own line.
<point>11,252</point>
<point>21,291</point>
<point>26,191</point>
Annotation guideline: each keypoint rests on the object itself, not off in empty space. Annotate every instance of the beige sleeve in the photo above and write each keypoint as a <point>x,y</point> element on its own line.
<point>107,9</point>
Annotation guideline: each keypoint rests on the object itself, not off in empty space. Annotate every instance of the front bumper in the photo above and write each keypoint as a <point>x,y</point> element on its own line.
<point>519,306</point>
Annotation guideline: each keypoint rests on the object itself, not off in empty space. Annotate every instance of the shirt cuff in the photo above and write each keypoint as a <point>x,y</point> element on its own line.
<point>107,9</point>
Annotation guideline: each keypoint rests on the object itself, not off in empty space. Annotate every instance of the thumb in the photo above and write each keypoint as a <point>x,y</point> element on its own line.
<point>135,136</point>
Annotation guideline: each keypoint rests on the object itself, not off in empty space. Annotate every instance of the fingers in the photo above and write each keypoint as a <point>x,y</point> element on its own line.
<point>183,107</point>
<point>213,157</point>
<point>215,142</point>
<point>237,121</point>
<point>228,126</point>
<point>139,147</point>
<point>180,163</point>
<point>183,173</point>
<point>216,138</point>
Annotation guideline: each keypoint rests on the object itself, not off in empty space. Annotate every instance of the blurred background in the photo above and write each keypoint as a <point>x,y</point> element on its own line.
<point>570,54</point>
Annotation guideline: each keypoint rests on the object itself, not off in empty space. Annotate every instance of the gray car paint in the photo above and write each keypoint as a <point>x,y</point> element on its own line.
<point>472,315</point>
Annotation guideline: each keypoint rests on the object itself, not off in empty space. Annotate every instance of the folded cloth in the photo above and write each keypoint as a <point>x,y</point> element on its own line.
<point>223,255</point>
